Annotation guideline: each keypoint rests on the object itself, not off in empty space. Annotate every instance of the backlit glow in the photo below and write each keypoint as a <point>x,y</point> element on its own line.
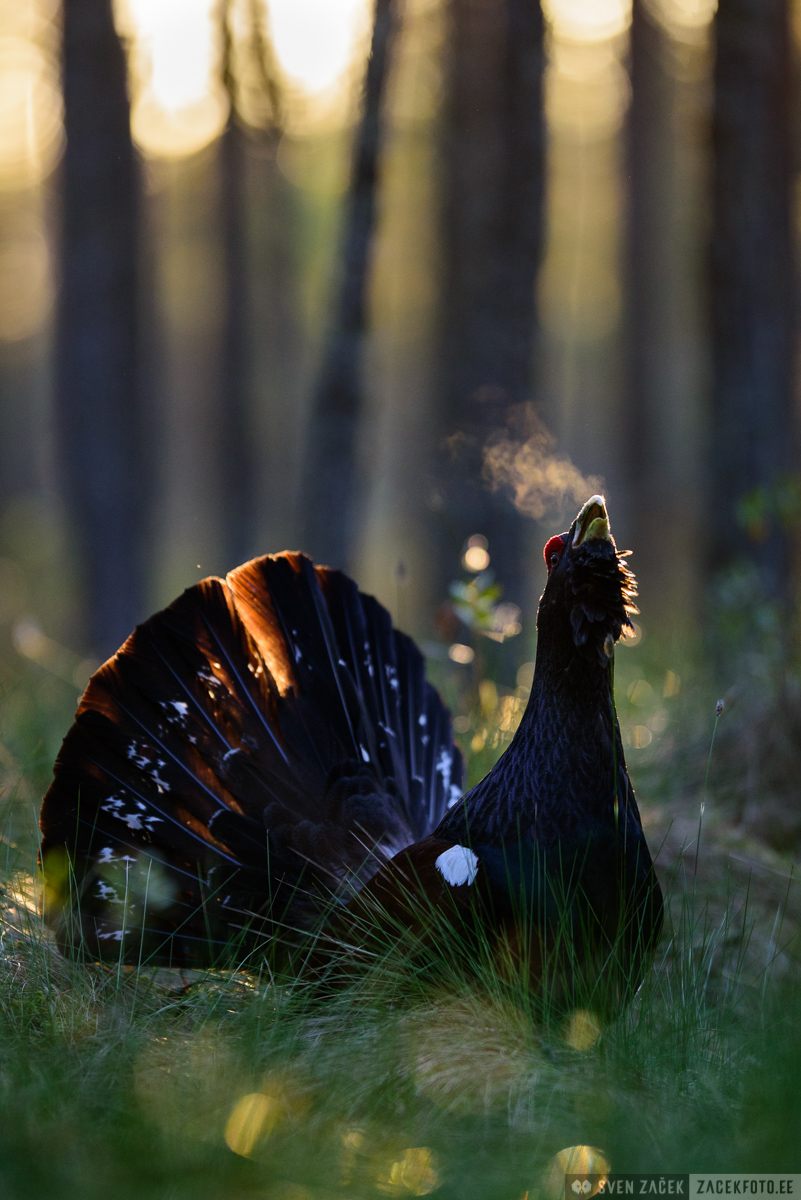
<point>179,103</point>
<point>588,20</point>
<point>315,40</point>
<point>684,17</point>
<point>30,112</point>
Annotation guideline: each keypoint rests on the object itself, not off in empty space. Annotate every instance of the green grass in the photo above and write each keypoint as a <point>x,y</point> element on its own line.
<point>124,1082</point>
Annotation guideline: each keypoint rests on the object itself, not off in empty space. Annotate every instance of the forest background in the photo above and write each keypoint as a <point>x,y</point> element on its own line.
<point>372,282</point>
<point>401,284</point>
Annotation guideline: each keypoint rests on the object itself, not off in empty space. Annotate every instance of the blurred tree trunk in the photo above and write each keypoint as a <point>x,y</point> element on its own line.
<point>98,413</point>
<point>492,209</point>
<point>752,280</point>
<point>234,441</point>
<point>645,278</point>
<point>331,492</point>
<point>656,525</point>
<point>236,431</point>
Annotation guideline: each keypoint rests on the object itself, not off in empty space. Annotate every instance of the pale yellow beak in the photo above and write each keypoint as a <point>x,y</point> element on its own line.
<point>592,522</point>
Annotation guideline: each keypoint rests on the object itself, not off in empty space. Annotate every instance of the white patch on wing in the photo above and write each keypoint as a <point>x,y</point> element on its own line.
<point>457,866</point>
<point>456,795</point>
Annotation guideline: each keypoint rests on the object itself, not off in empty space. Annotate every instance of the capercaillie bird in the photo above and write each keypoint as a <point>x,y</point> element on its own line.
<point>263,762</point>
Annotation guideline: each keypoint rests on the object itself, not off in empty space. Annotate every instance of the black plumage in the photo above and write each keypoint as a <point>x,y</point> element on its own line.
<point>264,760</point>
<point>554,865</point>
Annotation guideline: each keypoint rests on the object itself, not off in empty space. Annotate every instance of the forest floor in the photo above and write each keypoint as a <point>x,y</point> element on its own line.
<point>147,1083</point>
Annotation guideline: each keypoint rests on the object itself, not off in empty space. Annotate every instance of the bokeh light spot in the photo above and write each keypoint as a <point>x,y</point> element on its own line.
<point>179,103</point>
<point>253,1119</point>
<point>414,1172</point>
<point>588,20</point>
<point>476,559</point>
<point>575,1160</point>
<point>582,1030</point>
<point>315,40</point>
<point>525,675</point>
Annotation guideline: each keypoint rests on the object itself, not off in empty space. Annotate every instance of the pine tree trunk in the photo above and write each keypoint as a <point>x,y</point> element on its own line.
<point>234,438</point>
<point>493,163</point>
<point>98,410</point>
<point>752,280</point>
<point>331,491</point>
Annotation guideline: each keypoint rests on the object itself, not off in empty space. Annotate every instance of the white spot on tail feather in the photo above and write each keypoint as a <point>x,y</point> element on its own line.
<point>105,891</point>
<point>142,757</point>
<point>365,754</point>
<point>444,766</point>
<point>457,866</point>
<point>138,757</point>
<point>180,713</point>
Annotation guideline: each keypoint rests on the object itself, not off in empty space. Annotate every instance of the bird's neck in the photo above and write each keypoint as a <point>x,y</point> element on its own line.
<point>570,681</point>
<point>558,773</point>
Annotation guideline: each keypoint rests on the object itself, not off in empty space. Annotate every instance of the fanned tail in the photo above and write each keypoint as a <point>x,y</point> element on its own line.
<point>251,755</point>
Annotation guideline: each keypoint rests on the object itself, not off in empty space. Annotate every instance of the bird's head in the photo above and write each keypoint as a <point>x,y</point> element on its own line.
<point>590,591</point>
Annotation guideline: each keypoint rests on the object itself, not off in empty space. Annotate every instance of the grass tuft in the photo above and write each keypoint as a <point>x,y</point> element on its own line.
<point>413,1072</point>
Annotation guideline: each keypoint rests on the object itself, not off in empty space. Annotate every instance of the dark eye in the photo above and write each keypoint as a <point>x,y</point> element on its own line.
<point>554,559</point>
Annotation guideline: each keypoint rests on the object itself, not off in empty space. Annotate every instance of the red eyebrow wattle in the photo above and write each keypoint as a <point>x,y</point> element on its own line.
<point>554,545</point>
